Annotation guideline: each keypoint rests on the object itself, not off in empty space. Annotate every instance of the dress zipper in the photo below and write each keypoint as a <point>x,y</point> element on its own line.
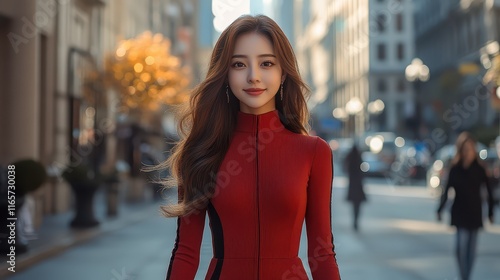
<point>258,204</point>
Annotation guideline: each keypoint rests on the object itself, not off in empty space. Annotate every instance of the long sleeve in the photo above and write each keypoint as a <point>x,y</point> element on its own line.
<point>444,195</point>
<point>186,253</point>
<point>491,201</point>
<point>321,250</point>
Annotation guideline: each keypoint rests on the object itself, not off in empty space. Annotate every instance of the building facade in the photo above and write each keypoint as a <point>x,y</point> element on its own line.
<point>45,111</point>
<point>391,49</point>
<point>452,39</point>
<point>356,50</point>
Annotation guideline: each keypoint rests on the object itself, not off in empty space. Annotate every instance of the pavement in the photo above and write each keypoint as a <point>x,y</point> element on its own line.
<point>56,236</point>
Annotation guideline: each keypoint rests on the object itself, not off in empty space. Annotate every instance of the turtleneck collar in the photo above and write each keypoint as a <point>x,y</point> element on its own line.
<point>251,123</point>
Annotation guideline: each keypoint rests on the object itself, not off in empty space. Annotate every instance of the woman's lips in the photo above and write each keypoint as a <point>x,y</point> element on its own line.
<point>254,91</point>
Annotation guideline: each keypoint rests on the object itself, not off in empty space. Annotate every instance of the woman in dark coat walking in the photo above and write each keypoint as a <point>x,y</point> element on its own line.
<point>466,177</point>
<point>355,193</point>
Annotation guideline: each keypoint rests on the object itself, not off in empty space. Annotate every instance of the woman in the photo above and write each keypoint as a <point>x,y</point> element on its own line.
<point>355,194</point>
<point>247,161</point>
<point>466,177</point>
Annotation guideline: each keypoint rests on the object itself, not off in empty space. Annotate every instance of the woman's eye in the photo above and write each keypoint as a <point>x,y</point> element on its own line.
<point>238,65</point>
<point>267,64</point>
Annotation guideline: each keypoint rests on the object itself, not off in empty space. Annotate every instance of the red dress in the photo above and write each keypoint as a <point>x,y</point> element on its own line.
<point>271,179</point>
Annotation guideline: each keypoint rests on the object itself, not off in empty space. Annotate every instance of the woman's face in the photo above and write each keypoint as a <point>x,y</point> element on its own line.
<point>255,74</point>
<point>469,151</point>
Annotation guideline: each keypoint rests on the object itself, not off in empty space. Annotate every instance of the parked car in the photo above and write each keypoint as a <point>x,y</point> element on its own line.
<point>411,164</point>
<point>379,152</point>
<point>373,166</point>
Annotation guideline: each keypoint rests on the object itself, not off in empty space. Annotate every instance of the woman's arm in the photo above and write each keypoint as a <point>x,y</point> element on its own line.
<point>321,251</point>
<point>444,195</point>
<point>186,253</point>
<point>491,201</point>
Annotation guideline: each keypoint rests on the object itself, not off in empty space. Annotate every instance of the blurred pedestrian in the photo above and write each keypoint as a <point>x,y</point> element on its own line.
<point>355,193</point>
<point>247,161</point>
<point>466,176</point>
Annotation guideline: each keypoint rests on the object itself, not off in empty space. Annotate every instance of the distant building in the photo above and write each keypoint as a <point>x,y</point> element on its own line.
<point>450,38</point>
<point>355,48</point>
<point>391,49</point>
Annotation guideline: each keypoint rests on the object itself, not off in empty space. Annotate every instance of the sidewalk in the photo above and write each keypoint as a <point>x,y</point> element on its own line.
<point>385,187</point>
<point>55,235</point>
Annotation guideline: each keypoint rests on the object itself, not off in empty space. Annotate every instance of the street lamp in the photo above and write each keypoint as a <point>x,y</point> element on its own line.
<point>417,72</point>
<point>353,107</point>
<point>375,108</point>
<point>339,113</point>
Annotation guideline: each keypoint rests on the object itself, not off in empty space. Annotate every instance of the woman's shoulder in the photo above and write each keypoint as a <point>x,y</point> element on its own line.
<point>455,167</point>
<point>311,140</point>
<point>314,144</point>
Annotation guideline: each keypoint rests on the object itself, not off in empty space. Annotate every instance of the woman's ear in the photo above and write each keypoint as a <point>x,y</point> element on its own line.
<point>283,77</point>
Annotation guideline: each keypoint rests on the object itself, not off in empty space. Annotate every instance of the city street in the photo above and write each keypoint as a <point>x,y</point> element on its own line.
<point>399,239</point>
<point>103,100</point>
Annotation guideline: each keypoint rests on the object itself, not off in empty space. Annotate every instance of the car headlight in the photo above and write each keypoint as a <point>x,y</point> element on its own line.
<point>434,181</point>
<point>365,166</point>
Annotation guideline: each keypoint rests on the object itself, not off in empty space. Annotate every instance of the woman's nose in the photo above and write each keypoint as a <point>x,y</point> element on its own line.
<point>253,75</point>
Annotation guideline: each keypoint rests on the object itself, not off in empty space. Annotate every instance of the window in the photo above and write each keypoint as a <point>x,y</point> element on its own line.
<point>381,21</point>
<point>382,121</point>
<point>381,52</point>
<point>381,86</point>
<point>399,22</point>
<point>401,86</point>
<point>401,51</point>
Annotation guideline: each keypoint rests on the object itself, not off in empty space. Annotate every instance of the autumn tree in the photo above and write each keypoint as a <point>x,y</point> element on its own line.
<point>145,73</point>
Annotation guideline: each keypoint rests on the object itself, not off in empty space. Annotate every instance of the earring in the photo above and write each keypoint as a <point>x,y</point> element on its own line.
<point>281,92</point>
<point>227,93</point>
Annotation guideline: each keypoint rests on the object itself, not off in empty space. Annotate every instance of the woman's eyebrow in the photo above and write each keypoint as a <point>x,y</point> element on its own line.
<point>246,56</point>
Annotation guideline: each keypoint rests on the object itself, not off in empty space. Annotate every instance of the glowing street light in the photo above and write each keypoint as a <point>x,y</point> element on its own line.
<point>375,107</point>
<point>417,70</point>
<point>339,113</point>
<point>353,106</point>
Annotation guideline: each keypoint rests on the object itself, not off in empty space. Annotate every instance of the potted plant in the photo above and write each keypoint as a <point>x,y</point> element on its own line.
<point>84,183</point>
<point>28,175</point>
<point>31,176</point>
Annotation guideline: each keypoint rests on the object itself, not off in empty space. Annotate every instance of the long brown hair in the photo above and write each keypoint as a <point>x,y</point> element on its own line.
<point>207,123</point>
<point>462,138</point>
